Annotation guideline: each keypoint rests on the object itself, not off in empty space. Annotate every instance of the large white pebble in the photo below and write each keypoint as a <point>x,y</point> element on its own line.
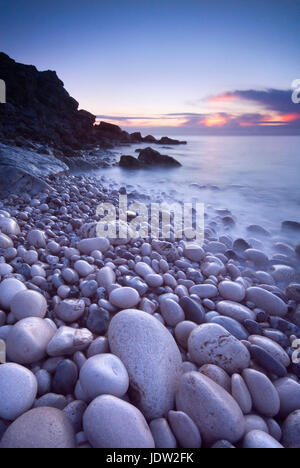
<point>28,304</point>
<point>151,357</point>
<point>194,252</point>
<point>113,423</point>
<point>18,389</point>
<point>267,301</point>
<point>213,410</point>
<point>124,298</point>
<point>28,339</point>
<point>212,344</point>
<point>8,289</point>
<point>9,227</point>
<point>104,374</point>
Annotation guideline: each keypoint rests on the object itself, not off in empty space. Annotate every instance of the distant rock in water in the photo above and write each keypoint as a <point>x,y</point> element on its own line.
<point>148,157</point>
<point>290,226</point>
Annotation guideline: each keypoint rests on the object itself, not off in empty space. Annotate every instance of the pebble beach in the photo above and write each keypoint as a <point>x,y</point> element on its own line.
<point>143,343</point>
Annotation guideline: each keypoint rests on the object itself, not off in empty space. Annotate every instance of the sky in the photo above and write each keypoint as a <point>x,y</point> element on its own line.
<point>176,66</point>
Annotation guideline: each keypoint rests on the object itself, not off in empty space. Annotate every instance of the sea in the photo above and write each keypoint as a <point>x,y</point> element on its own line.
<point>256,178</point>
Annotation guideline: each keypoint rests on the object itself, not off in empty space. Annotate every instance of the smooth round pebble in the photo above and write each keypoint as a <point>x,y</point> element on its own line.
<point>113,423</point>
<point>28,304</point>
<point>260,440</point>
<point>8,289</point>
<point>151,357</point>
<point>40,428</point>
<point>184,429</point>
<point>124,298</point>
<point>104,374</point>
<point>18,389</point>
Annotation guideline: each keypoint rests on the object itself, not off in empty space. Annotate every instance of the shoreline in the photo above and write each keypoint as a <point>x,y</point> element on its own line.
<point>78,293</point>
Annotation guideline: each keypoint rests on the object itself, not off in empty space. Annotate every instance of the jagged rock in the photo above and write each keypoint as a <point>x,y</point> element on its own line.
<point>148,157</point>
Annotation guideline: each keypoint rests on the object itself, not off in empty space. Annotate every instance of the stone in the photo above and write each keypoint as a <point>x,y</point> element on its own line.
<point>217,374</point>
<point>5,242</point>
<point>18,389</point>
<point>213,410</point>
<point>67,341</point>
<point>264,395</point>
<point>183,331</point>
<point>266,361</point>
<point>241,393</point>
<point>204,291</point>
<point>256,256</point>
<point>267,301</point>
<point>37,239</point>
<point>28,304</point>
<point>212,344</point>
<point>40,428</point>
<point>51,400</point>
<point>260,440</point>
<point>232,291</point>
<point>291,431</point>
<point>113,423</point>
<point>124,298</point>
<point>235,311</point>
<point>155,281</point>
<point>255,423</point>
<point>151,357</point>
<point>293,292</point>
<point>194,252</point>
<point>104,374</point>
<point>232,326</point>
<point>289,394</point>
<point>274,429</point>
<point>74,412</point>
<point>70,310</point>
<point>194,312</point>
<point>98,320</point>
<point>171,312</point>
<point>28,339</point>
<point>8,289</point>
<point>65,377</point>
<point>87,246</point>
<point>162,434</point>
<point>83,268</point>
<point>184,429</point>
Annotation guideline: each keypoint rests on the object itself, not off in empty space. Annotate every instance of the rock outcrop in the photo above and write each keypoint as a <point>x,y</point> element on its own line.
<point>39,109</point>
<point>148,157</point>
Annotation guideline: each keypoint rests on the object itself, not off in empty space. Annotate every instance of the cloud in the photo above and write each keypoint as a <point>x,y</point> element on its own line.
<point>272,112</point>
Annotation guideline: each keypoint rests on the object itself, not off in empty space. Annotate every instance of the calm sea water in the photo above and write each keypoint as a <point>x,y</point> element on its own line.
<point>256,178</point>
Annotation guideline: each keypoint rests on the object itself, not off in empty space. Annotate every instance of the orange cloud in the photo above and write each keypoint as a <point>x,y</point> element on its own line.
<point>214,121</point>
<point>222,98</point>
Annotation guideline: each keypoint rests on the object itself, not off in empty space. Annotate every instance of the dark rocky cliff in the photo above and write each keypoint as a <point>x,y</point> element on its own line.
<point>39,109</point>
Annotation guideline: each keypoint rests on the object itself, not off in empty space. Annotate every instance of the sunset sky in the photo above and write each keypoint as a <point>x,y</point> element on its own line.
<point>176,66</point>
